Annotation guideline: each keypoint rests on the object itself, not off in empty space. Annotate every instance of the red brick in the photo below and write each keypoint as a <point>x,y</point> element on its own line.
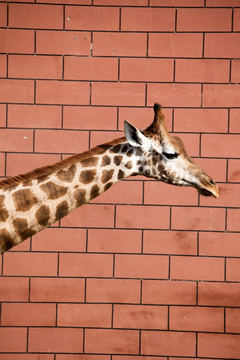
<point>30,264</point>
<point>90,118</point>
<point>233,220</point>
<point>57,290</point>
<point>236,19</point>
<point>175,95</point>
<point>204,20</point>
<point>147,19</point>
<point>55,340</point>
<point>220,244</point>
<point>35,16</point>
<point>34,116</point>
<point>16,91</point>
<point>61,141</point>
<point>84,315</point>
<point>17,41</point>
<point>219,345</point>
<point>118,94</point>
<point>32,66</point>
<point>232,320</point>
<point>196,268</point>
<point>142,117</point>
<point>234,124</point>
<point>121,2</point>
<point>2,164</point>
<point>233,170</point>
<point>55,240</point>
<point>22,163</point>
<point>116,357</point>
<point>119,44</point>
<point>62,92</point>
<point>75,2</point>
<point>8,141</point>
<point>219,145</point>
<point>86,265</point>
<point>162,194</point>
<point>175,45</point>
<point>3,115</point>
<point>233,270</point>
<point>223,3</point>
<point>168,343</point>
<point>3,63</point>
<point>83,357</point>
<point>201,120</point>
<point>3,15</point>
<point>157,70</point>
<point>111,341</point>
<point>113,290</point>
<point>210,71</point>
<point>221,95</point>
<point>198,218</point>
<point>178,3</point>
<point>170,242</point>
<point>141,266</point>
<point>222,45</point>
<point>140,317</point>
<point>216,168</point>
<point>13,339</point>
<point>218,294</point>
<point>100,216</point>
<point>63,42</point>
<point>123,193</point>
<point>14,289</point>
<point>114,241</point>
<point>142,217</point>
<point>26,356</point>
<point>27,314</point>
<point>87,68</point>
<point>91,18</point>
<point>228,196</point>
<point>191,143</point>
<point>196,319</point>
<point>235,71</point>
<point>168,292</point>
<point>101,137</point>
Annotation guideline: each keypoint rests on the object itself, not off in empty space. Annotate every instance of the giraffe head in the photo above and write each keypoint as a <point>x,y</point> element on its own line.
<point>164,157</point>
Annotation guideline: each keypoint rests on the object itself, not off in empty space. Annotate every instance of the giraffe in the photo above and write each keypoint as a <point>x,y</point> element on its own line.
<point>31,202</point>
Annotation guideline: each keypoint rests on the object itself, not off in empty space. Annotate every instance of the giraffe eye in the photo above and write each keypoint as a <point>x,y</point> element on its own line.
<point>170,156</point>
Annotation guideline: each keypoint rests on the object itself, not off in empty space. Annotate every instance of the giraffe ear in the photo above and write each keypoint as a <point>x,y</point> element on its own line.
<point>133,135</point>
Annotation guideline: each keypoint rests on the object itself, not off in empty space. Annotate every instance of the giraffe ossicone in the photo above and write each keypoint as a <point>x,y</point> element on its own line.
<point>31,202</point>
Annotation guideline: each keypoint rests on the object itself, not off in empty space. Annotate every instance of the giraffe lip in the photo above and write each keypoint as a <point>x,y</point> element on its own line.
<point>206,192</point>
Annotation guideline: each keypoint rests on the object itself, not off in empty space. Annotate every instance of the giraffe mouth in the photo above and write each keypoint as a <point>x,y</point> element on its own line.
<point>213,192</point>
<point>205,192</point>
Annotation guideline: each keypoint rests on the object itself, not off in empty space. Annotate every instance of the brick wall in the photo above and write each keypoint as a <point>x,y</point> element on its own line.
<point>147,271</point>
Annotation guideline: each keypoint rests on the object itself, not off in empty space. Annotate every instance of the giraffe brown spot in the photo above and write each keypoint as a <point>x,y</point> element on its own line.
<point>106,160</point>
<point>117,160</point>
<point>54,191</point>
<point>94,191</point>
<point>62,210</point>
<point>107,186</point>
<point>42,178</point>
<point>121,174</point>
<point>6,242</point>
<point>27,183</point>
<point>76,186</point>
<point>125,148</point>
<point>130,152</point>
<point>129,165</point>
<point>21,228</point>
<point>43,215</point>
<point>87,176</point>
<point>116,148</point>
<point>92,161</point>
<point>80,196</point>
<point>67,175</point>
<point>3,212</point>
<point>24,199</point>
<point>107,175</point>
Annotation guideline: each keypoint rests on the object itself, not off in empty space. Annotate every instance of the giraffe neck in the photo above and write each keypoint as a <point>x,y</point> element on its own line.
<point>32,204</point>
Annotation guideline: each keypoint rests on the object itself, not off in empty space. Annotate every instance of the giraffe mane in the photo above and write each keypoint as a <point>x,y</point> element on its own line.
<point>49,169</point>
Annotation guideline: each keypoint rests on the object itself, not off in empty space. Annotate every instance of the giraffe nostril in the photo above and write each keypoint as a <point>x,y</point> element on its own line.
<point>211,181</point>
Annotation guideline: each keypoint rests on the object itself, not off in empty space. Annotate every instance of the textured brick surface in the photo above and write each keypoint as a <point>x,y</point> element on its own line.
<point>146,271</point>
